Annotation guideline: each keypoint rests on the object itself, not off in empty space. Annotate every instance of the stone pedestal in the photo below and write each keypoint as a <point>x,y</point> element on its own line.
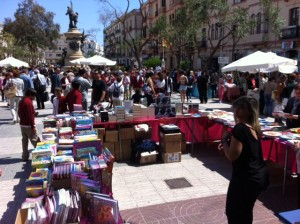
<point>73,38</point>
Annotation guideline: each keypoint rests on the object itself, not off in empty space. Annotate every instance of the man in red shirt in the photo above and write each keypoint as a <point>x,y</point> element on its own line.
<point>26,113</point>
<point>74,96</point>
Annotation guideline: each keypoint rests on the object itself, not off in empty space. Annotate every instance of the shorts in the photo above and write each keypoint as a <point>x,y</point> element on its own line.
<point>182,87</point>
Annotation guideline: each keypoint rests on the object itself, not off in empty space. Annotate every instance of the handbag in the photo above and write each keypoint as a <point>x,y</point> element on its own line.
<point>10,92</point>
<point>45,96</point>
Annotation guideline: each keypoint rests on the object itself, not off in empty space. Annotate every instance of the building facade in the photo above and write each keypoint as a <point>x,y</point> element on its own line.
<point>260,36</point>
<point>115,47</point>
<point>54,55</point>
<point>91,48</point>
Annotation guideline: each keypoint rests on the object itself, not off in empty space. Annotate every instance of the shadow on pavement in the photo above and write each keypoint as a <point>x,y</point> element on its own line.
<point>19,195</point>
<point>272,198</point>
<point>9,160</point>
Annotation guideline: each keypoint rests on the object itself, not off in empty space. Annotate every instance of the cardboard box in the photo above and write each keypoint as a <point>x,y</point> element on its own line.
<point>101,137</point>
<point>147,157</point>
<point>171,157</point>
<point>111,136</point>
<point>100,131</point>
<point>117,151</point>
<point>21,216</point>
<point>174,137</point>
<point>127,133</point>
<point>170,147</point>
<point>126,149</point>
<point>183,143</point>
<point>110,146</point>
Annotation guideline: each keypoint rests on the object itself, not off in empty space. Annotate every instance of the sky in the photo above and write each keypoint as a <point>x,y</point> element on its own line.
<point>88,11</point>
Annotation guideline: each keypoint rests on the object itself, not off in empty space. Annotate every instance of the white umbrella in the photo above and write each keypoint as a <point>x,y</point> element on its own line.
<point>77,61</point>
<point>248,63</point>
<point>13,62</point>
<point>259,61</point>
<point>97,60</point>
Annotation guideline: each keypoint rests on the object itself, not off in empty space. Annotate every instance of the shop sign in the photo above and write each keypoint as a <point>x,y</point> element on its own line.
<point>287,45</point>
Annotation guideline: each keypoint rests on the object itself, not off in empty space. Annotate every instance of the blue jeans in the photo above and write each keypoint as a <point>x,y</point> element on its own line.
<point>268,109</point>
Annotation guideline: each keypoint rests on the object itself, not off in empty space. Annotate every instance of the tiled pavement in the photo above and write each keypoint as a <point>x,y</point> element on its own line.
<point>142,192</point>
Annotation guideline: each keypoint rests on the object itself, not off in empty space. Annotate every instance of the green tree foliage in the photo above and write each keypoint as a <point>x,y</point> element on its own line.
<point>272,15</point>
<point>152,62</point>
<point>32,26</point>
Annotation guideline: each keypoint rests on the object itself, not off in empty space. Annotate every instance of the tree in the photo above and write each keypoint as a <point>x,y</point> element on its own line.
<point>152,62</point>
<point>134,41</point>
<point>178,36</point>
<point>272,17</point>
<point>33,26</point>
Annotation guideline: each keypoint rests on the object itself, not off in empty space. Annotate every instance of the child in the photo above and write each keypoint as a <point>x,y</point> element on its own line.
<point>59,104</point>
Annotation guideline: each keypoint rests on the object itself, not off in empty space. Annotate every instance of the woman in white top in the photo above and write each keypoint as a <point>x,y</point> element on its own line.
<point>14,80</point>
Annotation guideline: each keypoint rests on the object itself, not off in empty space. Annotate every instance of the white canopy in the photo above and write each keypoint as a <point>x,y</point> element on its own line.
<point>97,60</point>
<point>259,60</point>
<point>13,62</point>
<point>77,61</point>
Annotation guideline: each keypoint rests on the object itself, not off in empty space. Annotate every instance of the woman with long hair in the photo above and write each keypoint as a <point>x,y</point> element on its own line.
<point>243,148</point>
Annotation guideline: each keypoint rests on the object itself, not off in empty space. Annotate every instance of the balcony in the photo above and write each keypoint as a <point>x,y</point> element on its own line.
<point>290,32</point>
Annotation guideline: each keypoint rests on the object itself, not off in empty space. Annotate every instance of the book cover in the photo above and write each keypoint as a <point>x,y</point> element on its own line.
<point>106,210</point>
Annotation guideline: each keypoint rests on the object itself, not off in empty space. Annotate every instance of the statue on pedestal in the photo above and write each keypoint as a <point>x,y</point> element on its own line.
<point>73,17</point>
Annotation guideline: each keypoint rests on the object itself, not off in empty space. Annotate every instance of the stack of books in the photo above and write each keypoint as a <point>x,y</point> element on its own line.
<point>120,113</point>
<point>137,111</point>
<point>65,133</point>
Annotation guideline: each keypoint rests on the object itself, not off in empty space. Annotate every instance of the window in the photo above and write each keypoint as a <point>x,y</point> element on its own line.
<point>216,31</point>
<point>294,17</point>
<point>221,31</point>
<point>58,55</point>
<point>266,24</point>
<point>258,23</point>
<point>163,3</point>
<point>212,33</point>
<point>252,24</point>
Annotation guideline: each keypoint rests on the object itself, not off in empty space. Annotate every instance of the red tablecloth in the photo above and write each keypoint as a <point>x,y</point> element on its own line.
<point>277,153</point>
<point>199,127</point>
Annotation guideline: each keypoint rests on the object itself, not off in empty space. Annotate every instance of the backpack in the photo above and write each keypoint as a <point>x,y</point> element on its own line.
<point>116,91</point>
<point>38,85</point>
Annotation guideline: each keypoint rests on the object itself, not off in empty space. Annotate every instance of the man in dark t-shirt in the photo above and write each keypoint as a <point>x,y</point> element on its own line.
<point>98,90</point>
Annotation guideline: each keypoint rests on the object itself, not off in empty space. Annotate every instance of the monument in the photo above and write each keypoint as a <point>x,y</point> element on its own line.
<point>73,38</point>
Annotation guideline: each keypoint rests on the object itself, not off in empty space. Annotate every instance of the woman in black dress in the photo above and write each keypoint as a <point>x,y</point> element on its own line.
<point>243,147</point>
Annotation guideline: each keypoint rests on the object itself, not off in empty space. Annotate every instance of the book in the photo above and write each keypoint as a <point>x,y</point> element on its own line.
<point>105,209</point>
